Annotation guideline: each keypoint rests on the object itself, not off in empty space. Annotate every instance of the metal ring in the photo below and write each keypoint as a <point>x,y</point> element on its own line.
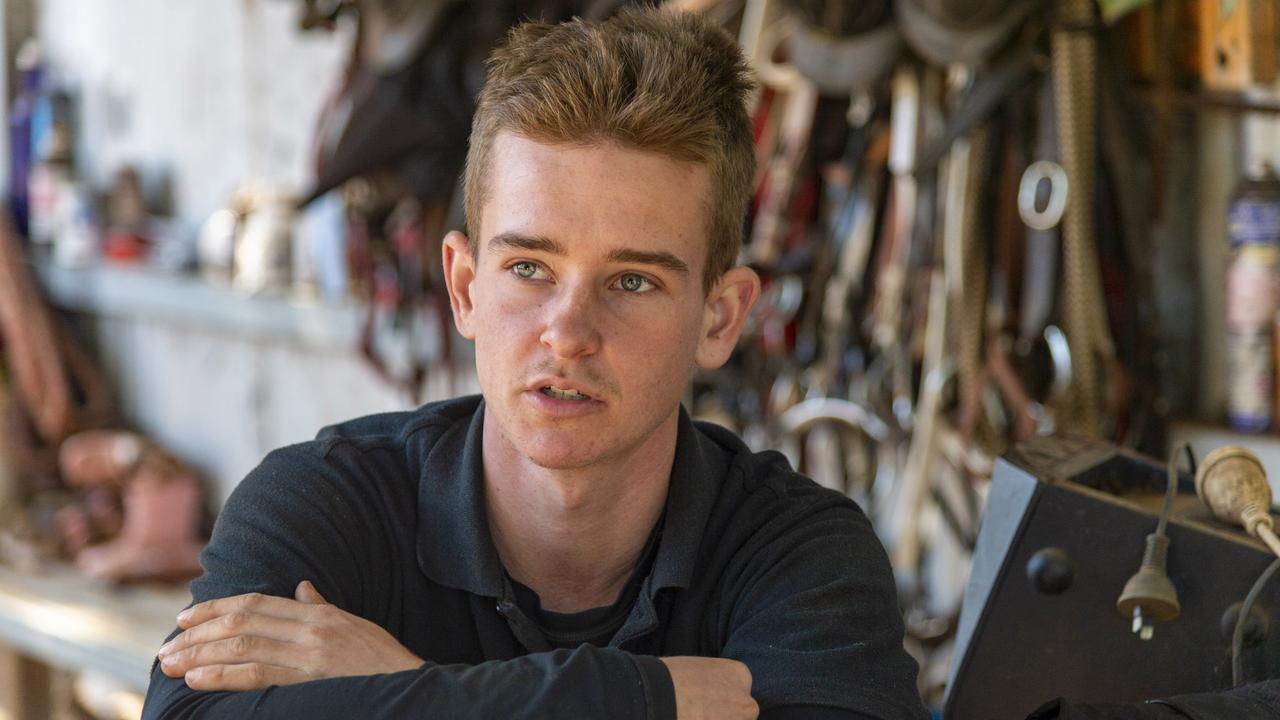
<point>802,416</point>
<point>1051,215</point>
<point>1060,353</point>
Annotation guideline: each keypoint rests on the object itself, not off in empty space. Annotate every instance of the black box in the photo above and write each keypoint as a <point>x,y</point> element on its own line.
<point>1020,645</point>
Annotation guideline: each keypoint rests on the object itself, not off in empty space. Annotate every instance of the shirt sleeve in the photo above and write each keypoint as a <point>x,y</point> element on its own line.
<point>815,617</point>
<point>812,712</point>
<point>292,519</point>
<point>583,683</point>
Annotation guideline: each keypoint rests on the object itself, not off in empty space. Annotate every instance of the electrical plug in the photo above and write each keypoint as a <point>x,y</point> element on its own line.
<point>1233,484</point>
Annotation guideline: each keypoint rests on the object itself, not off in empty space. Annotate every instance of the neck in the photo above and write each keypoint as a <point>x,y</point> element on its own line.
<point>574,536</point>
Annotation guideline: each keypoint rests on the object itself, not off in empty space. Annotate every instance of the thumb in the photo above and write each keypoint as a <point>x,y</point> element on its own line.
<point>307,593</point>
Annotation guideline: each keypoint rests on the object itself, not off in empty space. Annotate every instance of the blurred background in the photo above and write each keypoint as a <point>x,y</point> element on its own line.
<point>978,223</point>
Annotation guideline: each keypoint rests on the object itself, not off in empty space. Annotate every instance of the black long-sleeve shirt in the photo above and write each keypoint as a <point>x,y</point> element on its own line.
<point>386,516</point>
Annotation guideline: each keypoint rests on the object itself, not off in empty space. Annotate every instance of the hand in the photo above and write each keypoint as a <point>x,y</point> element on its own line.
<point>709,688</point>
<point>248,642</point>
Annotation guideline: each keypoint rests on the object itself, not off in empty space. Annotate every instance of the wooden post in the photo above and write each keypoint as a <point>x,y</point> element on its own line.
<point>1237,43</point>
<point>62,697</point>
<point>24,687</point>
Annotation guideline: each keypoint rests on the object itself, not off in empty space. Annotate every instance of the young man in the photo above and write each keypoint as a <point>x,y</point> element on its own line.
<point>571,544</point>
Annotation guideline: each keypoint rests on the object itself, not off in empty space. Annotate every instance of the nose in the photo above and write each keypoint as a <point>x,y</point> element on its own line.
<point>570,325</point>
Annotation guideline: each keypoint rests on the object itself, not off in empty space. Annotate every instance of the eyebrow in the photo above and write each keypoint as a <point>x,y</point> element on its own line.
<point>533,243</point>
<point>661,258</point>
<point>539,243</point>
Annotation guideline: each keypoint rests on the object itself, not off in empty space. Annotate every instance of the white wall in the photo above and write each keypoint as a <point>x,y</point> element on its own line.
<point>223,403</point>
<point>212,91</point>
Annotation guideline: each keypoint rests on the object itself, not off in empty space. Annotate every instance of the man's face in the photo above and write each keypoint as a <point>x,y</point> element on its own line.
<point>586,302</point>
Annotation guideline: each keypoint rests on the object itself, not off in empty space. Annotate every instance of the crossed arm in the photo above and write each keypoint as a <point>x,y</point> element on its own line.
<point>254,641</point>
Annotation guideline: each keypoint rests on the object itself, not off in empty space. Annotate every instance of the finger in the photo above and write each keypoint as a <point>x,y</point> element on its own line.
<point>307,593</point>
<point>246,676</point>
<point>272,605</point>
<point>240,622</point>
<point>241,649</point>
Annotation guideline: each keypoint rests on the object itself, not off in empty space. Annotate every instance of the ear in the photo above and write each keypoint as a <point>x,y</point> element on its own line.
<point>726,309</point>
<point>459,274</point>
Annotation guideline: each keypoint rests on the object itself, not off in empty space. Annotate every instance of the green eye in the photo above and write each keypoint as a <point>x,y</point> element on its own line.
<point>632,283</point>
<point>525,269</point>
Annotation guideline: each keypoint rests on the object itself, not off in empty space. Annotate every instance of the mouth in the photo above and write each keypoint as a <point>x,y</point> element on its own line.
<point>560,394</point>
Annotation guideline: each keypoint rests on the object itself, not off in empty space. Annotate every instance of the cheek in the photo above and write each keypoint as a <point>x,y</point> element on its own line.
<point>507,318</point>
<point>659,350</point>
<point>503,327</point>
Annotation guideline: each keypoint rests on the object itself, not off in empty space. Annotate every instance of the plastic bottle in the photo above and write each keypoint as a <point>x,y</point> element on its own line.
<point>1252,299</point>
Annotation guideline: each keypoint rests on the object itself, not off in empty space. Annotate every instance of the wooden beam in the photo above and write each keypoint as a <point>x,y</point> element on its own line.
<point>24,687</point>
<point>1237,43</point>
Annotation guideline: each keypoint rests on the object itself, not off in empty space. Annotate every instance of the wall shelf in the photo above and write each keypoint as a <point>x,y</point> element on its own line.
<point>186,300</point>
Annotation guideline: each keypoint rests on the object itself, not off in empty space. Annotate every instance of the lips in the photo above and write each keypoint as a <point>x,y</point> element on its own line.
<point>562,389</point>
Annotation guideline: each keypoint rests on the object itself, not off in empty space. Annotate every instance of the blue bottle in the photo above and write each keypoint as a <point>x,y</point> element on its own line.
<point>21,134</point>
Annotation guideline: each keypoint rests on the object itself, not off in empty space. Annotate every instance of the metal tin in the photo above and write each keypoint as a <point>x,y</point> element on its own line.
<point>1249,390</point>
<point>1252,299</point>
<point>1254,215</point>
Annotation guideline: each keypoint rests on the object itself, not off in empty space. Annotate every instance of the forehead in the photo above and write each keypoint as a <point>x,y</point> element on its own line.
<point>598,195</point>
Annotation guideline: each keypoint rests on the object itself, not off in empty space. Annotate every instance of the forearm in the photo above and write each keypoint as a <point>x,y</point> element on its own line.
<point>696,6</point>
<point>583,683</point>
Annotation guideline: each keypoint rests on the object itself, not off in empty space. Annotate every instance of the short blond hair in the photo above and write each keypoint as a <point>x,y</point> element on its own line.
<point>648,79</point>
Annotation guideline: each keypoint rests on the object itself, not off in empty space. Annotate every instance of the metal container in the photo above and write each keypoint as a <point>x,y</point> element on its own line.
<point>1252,299</point>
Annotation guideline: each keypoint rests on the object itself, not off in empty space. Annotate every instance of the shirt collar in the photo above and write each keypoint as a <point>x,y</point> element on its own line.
<point>696,474</point>
<point>455,548</point>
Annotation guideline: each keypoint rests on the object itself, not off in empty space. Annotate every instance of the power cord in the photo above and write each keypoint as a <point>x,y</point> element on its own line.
<point>1171,483</point>
<point>1237,635</point>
